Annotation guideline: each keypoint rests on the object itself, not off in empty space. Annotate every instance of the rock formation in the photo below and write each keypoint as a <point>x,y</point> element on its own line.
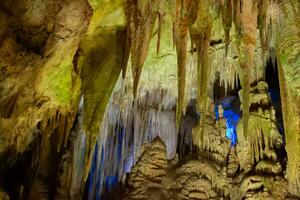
<point>145,178</point>
<point>94,99</point>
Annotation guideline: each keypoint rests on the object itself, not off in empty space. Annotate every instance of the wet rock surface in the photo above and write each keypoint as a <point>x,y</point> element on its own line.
<point>216,170</point>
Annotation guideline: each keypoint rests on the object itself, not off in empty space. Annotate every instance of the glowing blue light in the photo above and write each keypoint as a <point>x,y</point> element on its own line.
<point>231,118</point>
<point>111,182</point>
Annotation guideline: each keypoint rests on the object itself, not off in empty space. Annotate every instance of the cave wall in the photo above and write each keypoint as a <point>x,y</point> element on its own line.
<point>287,51</point>
<point>47,62</point>
<point>40,86</point>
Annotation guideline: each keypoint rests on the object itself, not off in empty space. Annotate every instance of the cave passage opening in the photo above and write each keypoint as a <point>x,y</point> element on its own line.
<point>228,106</point>
<point>272,79</point>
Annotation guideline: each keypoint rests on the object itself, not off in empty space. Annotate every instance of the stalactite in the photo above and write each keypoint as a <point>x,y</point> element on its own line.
<point>151,115</point>
<point>125,129</point>
<point>126,53</point>
<point>201,35</point>
<point>262,22</point>
<point>141,18</point>
<point>181,40</point>
<point>246,48</point>
<point>237,15</point>
<point>203,72</point>
<point>227,22</point>
<point>160,23</point>
<point>102,57</point>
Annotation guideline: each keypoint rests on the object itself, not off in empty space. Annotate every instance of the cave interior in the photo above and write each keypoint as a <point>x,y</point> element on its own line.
<point>149,99</point>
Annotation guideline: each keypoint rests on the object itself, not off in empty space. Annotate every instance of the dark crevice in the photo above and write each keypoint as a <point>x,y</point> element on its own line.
<point>271,77</point>
<point>191,118</point>
<point>274,92</point>
<point>75,61</point>
<point>215,42</point>
<point>18,176</point>
<point>32,42</point>
<point>219,89</point>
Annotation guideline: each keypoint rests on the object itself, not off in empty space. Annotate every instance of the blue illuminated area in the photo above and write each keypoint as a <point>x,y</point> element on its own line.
<point>111,182</point>
<point>128,163</point>
<point>104,173</point>
<point>94,181</point>
<point>231,118</point>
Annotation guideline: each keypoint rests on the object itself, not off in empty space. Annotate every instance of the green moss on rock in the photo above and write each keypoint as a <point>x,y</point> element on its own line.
<point>101,61</point>
<point>58,81</point>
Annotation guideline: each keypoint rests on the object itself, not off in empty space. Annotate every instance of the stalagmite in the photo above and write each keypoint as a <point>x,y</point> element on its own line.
<point>262,23</point>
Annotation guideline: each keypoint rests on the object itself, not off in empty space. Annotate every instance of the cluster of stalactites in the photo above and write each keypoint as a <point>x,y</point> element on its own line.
<point>248,17</point>
<point>126,126</point>
<point>227,68</point>
<point>142,16</point>
<point>262,137</point>
<point>192,20</point>
<point>57,121</point>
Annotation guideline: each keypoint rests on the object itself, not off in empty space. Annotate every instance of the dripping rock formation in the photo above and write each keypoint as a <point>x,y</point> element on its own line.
<point>149,99</point>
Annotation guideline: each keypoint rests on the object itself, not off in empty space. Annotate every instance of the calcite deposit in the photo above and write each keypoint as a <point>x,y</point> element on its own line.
<point>149,99</point>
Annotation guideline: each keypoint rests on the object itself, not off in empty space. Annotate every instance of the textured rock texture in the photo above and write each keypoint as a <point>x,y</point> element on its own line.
<point>55,54</point>
<point>145,179</point>
<point>288,53</point>
<point>254,169</point>
<point>40,87</point>
<point>44,50</point>
<point>197,179</point>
